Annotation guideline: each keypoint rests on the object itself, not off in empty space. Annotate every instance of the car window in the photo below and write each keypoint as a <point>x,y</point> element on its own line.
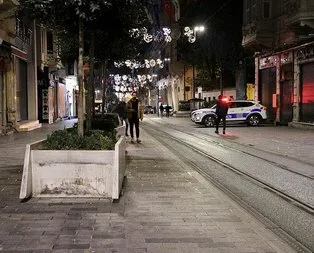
<point>232,105</point>
<point>244,104</point>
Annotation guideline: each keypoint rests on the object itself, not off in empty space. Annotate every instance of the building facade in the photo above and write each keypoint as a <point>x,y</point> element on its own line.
<point>282,35</point>
<point>18,75</point>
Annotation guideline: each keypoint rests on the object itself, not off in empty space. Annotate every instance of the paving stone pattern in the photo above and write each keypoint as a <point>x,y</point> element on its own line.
<point>166,208</point>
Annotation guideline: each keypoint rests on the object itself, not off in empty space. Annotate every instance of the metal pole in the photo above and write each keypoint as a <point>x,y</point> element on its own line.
<point>221,86</point>
<point>157,106</point>
<point>193,82</point>
<point>184,82</point>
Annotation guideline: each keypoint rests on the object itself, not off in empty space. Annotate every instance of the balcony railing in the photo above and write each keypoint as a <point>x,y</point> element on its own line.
<point>23,32</point>
<point>300,13</point>
<point>259,33</point>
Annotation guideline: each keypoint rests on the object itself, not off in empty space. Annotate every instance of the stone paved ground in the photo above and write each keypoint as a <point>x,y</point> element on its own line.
<point>166,208</point>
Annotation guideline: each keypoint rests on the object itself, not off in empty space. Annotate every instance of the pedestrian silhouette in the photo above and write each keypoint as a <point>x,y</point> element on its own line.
<point>122,111</point>
<point>161,108</point>
<point>168,110</point>
<point>135,114</point>
<point>221,112</point>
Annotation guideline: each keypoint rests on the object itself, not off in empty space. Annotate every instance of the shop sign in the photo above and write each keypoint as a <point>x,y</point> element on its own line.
<point>286,57</point>
<point>267,62</point>
<point>250,90</point>
<point>305,53</point>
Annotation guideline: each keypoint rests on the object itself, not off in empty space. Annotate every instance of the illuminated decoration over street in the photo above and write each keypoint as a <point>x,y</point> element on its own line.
<point>164,34</point>
<point>160,35</point>
<point>190,34</point>
<point>148,63</point>
<point>127,83</point>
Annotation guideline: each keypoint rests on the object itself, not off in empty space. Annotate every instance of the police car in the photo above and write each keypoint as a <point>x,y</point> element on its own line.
<point>251,112</point>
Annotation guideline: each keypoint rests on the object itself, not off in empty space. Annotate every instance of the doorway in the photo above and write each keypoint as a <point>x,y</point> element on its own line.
<point>23,105</point>
<point>266,89</point>
<point>286,94</point>
<point>307,93</point>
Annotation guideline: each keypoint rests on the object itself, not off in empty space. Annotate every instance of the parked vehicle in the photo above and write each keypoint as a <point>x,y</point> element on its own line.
<point>251,112</point>
<point>148,109</point>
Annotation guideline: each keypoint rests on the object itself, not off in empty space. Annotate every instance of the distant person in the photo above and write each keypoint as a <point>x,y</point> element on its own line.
<point>161,108</point>
<point>168,110</point>
<point>221,112</point>
<point>122,111</point>
<point>135,114</point>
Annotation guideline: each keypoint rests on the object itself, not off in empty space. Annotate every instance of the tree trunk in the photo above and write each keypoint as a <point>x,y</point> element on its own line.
<point>90,84</point>
<point>80,80</point>
<point>104,86</point>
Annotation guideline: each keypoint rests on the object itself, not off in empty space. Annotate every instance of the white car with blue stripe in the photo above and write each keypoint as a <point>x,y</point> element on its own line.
<point>251,112</point>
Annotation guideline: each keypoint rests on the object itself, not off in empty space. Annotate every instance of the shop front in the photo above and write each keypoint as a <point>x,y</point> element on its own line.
<point>267,85</point>
<point>5,61</point>
<point>305,61</point>
<point>285,82</point>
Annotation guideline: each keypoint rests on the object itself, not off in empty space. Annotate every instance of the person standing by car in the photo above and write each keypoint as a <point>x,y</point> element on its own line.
<point>161,108</point>
<point>122,111</point>
<point>221,112</point>
<point>135,114</point>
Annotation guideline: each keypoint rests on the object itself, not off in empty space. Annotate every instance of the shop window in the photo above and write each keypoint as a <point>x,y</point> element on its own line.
<point>49,43</point>
<point>307,93</point>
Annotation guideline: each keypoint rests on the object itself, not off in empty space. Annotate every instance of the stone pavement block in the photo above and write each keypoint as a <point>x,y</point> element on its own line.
<point>70,246</point>
<point>27,251</point>
<point>178,240</point>
<point>108,235</point>
<point>137,250</point>
<point>108,244</point>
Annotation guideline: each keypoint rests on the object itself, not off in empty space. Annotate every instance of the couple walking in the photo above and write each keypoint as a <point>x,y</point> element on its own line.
<point>131,113</point>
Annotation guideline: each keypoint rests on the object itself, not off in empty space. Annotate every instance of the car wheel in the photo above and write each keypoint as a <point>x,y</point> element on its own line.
<point>254,120</point>
<point>209,121</point>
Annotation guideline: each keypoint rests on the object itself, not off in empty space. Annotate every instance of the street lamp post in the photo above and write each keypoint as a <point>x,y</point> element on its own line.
<point>157,89</point>
<point>199,29</point>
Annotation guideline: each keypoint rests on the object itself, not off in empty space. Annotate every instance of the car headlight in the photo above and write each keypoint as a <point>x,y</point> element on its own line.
<point>197,116</point>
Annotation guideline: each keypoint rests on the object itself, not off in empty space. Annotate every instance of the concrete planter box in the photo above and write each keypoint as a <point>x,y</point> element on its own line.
<point>73,173</point>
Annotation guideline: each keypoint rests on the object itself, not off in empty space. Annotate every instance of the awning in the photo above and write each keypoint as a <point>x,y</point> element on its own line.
<point>19,53</point>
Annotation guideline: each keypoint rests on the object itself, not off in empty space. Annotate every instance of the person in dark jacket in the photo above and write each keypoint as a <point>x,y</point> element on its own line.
<point>122,111</point>
<point>135,114</point>
<point>168,110</point>
<point>161,108</point>
<point>221,112</point>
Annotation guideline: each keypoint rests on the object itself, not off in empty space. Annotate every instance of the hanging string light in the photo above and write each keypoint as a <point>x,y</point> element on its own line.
<point>148,63</point>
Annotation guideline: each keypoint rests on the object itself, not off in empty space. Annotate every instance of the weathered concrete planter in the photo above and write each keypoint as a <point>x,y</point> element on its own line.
<point>73,173</point>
